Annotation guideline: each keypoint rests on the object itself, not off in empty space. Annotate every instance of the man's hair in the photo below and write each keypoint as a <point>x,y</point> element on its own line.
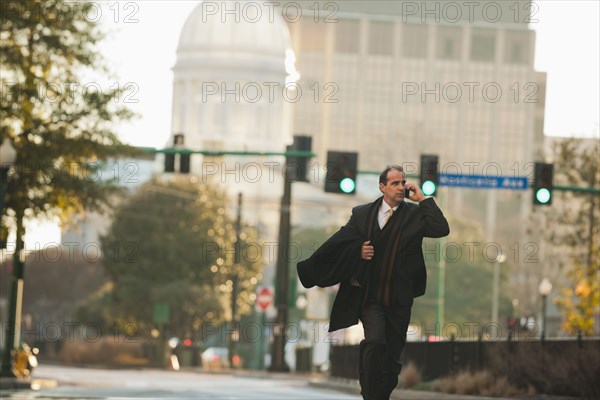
<point>384,174</point>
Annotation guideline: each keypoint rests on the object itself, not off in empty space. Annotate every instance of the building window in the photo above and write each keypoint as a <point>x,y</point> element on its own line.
<point>516,54</point>
<point>414,41</point>
<point>483,46</point>
<point>517,47</point>
<point>347,36</point>
<point>381,38</point>
<point>449,43</point>
<point>449,50</point>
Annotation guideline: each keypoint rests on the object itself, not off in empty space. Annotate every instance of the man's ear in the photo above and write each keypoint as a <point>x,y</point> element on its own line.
<point>381,186</point>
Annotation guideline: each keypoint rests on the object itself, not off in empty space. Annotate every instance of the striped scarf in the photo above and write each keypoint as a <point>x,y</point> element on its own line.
<point>380,278</point>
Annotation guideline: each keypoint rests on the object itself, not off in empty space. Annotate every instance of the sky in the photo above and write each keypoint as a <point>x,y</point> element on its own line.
<point>143,37</point>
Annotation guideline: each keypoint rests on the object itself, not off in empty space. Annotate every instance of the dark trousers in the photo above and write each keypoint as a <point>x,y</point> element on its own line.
<point>385,335</point>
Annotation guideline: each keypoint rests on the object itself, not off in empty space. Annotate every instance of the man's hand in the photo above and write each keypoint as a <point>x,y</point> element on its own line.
<point>416,194</point>
<point>367,251</point>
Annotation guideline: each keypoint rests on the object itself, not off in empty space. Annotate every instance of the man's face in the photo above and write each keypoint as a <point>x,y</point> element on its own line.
<point>393,190</point>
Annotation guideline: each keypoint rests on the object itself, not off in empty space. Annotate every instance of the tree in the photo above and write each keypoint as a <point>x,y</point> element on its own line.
<point>172,242</point>
<point>61,131</point>
<point>575,231</point>
<point>60,125</point>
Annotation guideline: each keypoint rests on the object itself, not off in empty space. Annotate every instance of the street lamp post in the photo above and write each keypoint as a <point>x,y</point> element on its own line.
<point>278,360</point>
<point>496,286</point>
<point>8,156</point>
<point>301,143</point>
<point>544,288</point>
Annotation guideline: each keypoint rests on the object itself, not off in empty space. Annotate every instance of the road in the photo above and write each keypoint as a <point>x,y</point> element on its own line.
<point>88,383</point>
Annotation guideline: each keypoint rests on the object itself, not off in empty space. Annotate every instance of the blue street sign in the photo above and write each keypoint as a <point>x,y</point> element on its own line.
<point>484,182</point>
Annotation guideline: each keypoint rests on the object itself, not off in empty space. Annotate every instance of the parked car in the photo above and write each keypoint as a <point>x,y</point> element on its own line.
<point>218,358</point>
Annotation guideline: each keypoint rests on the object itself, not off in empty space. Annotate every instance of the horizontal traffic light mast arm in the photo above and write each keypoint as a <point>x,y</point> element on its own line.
<point>172,150</point>
<point>309,154</point>
<point>578,189</point>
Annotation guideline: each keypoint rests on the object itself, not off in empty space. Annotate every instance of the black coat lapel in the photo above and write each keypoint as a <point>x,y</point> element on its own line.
<point>364,217</point>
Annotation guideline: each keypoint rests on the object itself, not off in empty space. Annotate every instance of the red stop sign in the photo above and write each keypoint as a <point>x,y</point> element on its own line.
<point>264,298</point>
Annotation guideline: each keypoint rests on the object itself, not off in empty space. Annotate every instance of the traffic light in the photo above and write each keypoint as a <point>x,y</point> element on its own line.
<point>542,184</point>
<point>429,174</point>
<point>341,172</point>
<point>297,167</point>
<point>184,159</point>
<point>169,162</point>
<point>184,163</point>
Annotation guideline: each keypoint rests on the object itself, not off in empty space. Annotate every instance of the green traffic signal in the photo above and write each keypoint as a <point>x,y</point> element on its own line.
<point>428,188</point>
<point>542,196</point>
<point>347,185</point>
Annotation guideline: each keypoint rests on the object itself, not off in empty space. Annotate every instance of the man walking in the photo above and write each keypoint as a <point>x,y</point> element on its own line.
<point>378,261</point>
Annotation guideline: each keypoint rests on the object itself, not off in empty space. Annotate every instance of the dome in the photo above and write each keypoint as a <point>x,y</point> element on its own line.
<point>229,78</point>
<point>215,34</point>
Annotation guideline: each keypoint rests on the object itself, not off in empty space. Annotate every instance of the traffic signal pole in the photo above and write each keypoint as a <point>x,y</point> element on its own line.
<point>297,165</point>
<point>278,360</point>
<point>13,327</point>
<point>441,283</point>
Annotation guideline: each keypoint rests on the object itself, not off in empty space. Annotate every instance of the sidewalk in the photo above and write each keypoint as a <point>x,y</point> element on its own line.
<point>351,386</point>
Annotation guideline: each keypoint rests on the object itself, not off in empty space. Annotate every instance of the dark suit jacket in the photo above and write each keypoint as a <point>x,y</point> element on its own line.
<point>339,259</point>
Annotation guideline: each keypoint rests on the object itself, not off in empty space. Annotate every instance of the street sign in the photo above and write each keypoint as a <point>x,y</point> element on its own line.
<point>160,313</point>
<point>264,298</point>
<point>484,182</point>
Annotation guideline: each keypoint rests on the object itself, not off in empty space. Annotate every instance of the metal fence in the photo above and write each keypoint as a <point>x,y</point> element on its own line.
<point>567,367</point>
<point>303,359</point>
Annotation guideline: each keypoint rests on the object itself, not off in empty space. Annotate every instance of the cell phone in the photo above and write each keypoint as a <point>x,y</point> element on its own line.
<point>407,193</point>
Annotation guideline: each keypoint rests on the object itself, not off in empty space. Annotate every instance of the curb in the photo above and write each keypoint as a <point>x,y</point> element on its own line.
<point>7,383</point>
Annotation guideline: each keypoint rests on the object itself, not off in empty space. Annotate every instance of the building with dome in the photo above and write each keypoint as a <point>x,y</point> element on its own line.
<point>229,77</point>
